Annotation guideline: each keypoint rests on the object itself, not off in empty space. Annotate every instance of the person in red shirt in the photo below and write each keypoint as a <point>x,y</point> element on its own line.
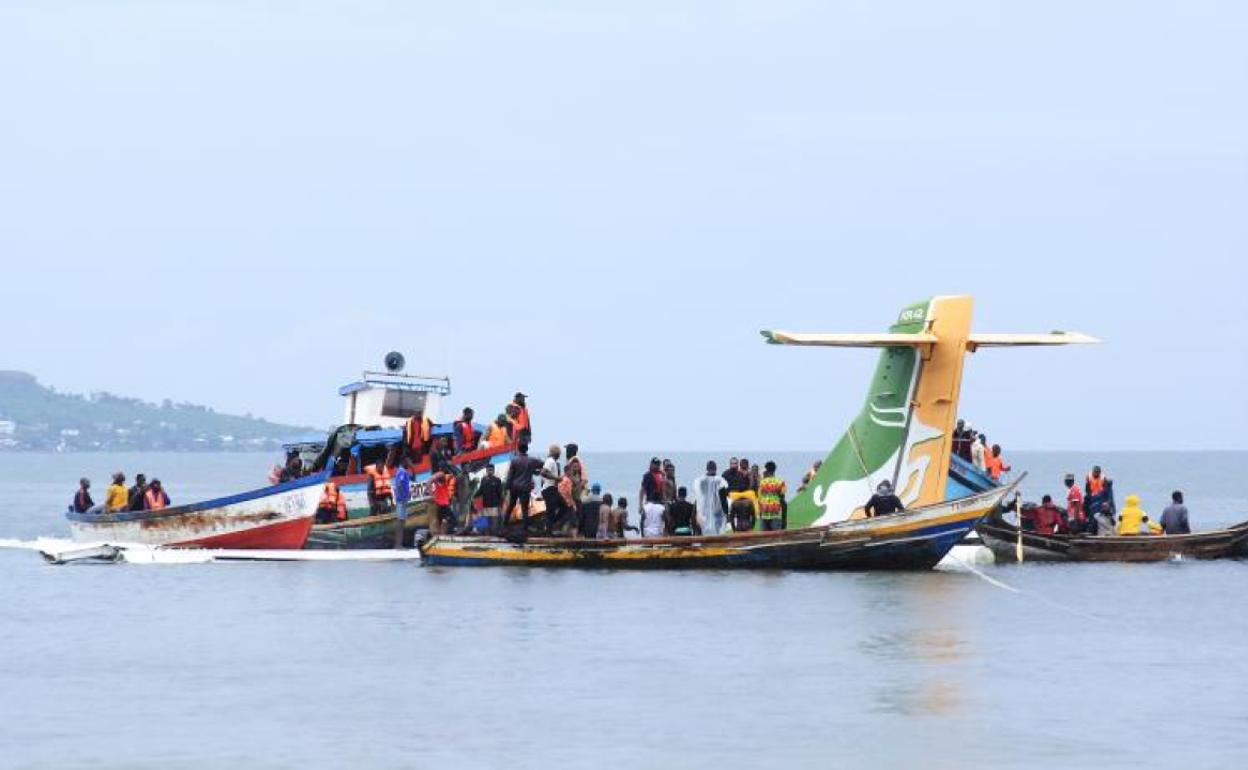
<point>1048,517</point>
<point>1075,517</point>
<point>443,494</point>
<point>994,464</point>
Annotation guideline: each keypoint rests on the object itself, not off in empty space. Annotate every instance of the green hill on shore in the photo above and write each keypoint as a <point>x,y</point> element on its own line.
<point>35,417</point>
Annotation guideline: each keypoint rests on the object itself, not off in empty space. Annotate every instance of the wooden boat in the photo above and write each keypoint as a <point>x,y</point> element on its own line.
<point>277,517</point>
<point>914,540</point>
<point>1002,539</point>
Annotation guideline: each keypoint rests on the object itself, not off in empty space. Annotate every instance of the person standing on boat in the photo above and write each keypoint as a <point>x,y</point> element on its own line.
<point>669,482</point>
<point>710,498</point>
<point>466,436</point>
<point>1099,493</point>
<point>332,506</point>
<point>590,520</point>
<point>772,507</point>
<point>490,490</point>
<point>549,477</point>
<point>520,485</point>
<point>884,501</point>
<point>443,518</point>
<point>417,436</point>
<point>960,444</point>
<point>155,499</point>
<point>1174,517</point>
<point>651,496</point>
<point>136,493</point>
<point>681,517</point>
<point>380,496</point>
<point>401,487</point>
<point>524,425</point>
<point>1076,521</point>
<point>979,451</point>
<point>498,434</point>
<point>993,463</point>
<point>574,469</point>
<point>82,498</point>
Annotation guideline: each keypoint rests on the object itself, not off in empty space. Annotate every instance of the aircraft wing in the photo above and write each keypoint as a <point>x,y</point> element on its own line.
<point>976,341</point>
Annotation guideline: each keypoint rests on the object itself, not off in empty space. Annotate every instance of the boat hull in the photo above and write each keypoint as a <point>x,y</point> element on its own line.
<point>274,518</point>
<point>915,540</point>
<point>364,530</point>
<point>1002,539</point>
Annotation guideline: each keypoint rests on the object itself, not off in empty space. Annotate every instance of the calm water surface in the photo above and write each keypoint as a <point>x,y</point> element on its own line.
<point>396,665</point>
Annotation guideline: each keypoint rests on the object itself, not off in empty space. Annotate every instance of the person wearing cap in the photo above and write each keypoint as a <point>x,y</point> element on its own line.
<point>82,498</point>
<point>883,502</point>
<point>710,498</point>
<point>524,427</point>
<point>1075,519</point>
<point>118,497</point>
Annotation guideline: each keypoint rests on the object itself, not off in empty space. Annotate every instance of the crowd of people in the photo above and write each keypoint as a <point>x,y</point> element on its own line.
<point>1091,510</point>
<point>141,496</point>
<point>972,446</point>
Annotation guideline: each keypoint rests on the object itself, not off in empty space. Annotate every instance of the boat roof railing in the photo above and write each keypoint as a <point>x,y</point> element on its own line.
<point>411,382</point>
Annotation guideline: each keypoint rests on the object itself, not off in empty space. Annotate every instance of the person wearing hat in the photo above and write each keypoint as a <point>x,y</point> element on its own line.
<point>524,427</point>
<point>118,497</point>
<point>1075,519</point>
<point>883,502</point>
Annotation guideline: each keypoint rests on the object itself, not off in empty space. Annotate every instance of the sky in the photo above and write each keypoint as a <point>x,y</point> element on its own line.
<point>246,204</point>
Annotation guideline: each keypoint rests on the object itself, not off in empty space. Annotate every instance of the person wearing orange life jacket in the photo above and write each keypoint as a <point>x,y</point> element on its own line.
<point>1075,518</point>
<point>498,435</point>
<point>524,427</point>
<point>443,493</point>
<point>155,498</point>
<point>466,436</point>
<point>380,496</point>
<point>993,464</point>
<point>332,506</point>
<point>1098,504</point>
<point>416,436</point>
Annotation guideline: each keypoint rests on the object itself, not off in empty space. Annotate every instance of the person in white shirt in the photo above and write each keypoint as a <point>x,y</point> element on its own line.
<point>708,497</point>
<point>549,477</point>
<point>979,447</point>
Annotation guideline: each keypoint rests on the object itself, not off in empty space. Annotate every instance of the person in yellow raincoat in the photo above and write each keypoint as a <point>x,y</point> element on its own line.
<point>1132,518</point>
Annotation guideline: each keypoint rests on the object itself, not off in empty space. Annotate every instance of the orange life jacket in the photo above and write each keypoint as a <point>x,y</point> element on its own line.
<point>521,420</point>
<point>467,435</point>
<point>331,500</point>
<point>1096,485</point>
<point>380,480</point>
<point>416,433</point>
<point>994,466</point>
<point>443,489</point>
<point>155,499</point>
<point>496,436</point>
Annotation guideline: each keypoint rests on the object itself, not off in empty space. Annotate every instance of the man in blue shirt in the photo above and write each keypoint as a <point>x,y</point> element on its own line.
<point>402,486</point>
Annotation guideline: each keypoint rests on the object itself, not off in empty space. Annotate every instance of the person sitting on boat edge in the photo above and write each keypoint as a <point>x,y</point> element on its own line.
<point>883,502</point>
<point>380,496</point>
<point>155,498</point>
<point>681,518</point>
<point>136,493</point>
<point>1174,517</point>
<point>772,507</point>
<point>490,490</point>
<point>1047,518</point>
<point>117,499</point>
<point>82,498</point>
<point>332,505</point>
<point>1132,519</point>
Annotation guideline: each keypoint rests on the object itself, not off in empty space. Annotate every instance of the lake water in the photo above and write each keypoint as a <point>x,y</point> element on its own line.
<point>397,665</point>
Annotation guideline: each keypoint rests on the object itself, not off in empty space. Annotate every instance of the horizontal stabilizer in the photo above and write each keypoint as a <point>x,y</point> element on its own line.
<point>1028,340</point>
<point>885,340</point>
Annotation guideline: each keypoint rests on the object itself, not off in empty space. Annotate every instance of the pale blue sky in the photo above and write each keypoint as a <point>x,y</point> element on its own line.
<point>244,204</point>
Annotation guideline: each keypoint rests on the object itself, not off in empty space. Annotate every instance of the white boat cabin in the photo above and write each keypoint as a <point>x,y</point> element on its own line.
<point>387,399</point>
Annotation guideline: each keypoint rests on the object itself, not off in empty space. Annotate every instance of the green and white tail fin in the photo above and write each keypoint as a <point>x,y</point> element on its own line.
<point>903,434</point>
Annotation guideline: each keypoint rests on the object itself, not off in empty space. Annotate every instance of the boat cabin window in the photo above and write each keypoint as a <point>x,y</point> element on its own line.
<point>402,403</point>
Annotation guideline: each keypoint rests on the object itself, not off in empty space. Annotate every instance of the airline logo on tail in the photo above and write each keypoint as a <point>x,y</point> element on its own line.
<point>903,432</point>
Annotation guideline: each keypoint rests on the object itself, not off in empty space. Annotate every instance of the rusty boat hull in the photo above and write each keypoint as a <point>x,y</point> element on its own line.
<point>914,540</point>
<point>272,518</point>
